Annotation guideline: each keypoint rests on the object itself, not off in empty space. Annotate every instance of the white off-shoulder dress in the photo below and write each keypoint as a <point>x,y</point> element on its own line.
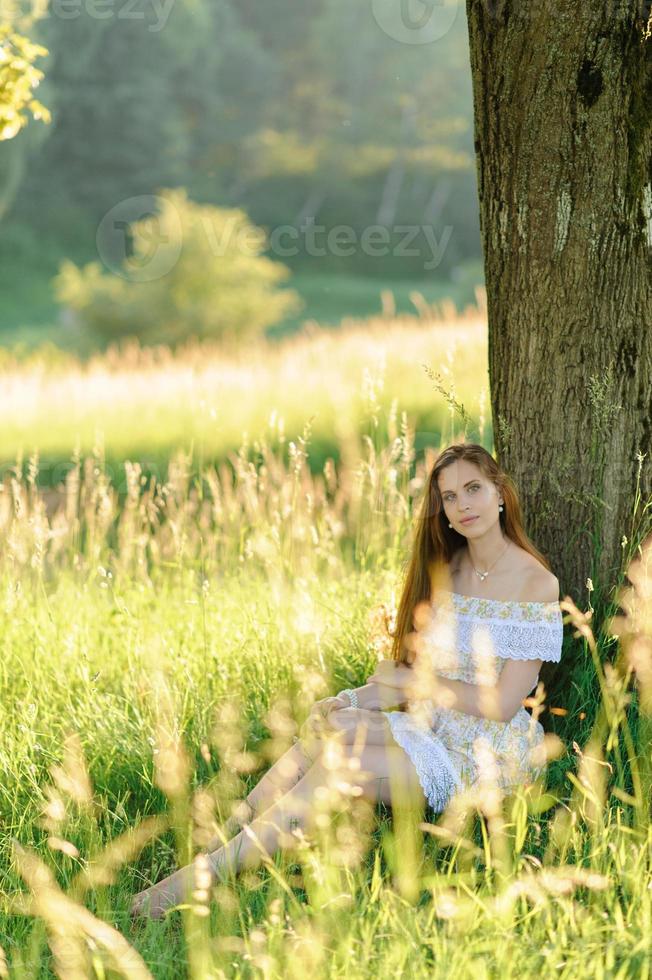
<point>471,639</point>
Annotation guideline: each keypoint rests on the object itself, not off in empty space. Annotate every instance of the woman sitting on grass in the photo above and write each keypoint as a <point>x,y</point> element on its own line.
<point>469,525</point>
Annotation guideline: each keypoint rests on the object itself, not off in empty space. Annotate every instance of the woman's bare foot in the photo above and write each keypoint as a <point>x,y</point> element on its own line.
<point>155,901</point>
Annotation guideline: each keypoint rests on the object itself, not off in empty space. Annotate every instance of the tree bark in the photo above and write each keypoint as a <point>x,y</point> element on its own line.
<point>563,136</point>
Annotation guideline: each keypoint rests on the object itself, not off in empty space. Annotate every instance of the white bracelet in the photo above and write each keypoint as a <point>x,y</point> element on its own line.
<point>352,695</point>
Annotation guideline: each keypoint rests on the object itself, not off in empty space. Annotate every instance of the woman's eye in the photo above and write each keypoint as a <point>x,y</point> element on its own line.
<point>476,486</point>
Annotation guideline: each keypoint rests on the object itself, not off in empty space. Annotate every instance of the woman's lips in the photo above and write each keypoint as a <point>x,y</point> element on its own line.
<point>469,520</point>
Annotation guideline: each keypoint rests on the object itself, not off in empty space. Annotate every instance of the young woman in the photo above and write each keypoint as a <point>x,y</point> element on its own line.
<point>470,525</point>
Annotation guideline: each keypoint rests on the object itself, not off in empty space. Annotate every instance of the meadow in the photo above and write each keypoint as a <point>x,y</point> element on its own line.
<point>164,639</point>
<point>29,261</point>
<point>142,404</point>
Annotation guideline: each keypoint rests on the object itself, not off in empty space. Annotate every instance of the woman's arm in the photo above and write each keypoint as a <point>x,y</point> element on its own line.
<point>498,702</point>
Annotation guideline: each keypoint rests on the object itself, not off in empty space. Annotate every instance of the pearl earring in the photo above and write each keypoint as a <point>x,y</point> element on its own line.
<point>501,507</point>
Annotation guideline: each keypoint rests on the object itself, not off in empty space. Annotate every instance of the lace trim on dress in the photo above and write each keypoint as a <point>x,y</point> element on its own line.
<point>515,630</point>
<point>438,777</point>
<point>513,641</point>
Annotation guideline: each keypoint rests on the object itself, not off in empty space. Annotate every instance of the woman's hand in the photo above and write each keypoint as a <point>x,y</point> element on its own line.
<point>317,722</point>
<point>401,681</point>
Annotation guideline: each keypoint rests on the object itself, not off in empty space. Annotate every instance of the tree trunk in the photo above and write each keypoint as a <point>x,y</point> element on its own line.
<point>563,137</point>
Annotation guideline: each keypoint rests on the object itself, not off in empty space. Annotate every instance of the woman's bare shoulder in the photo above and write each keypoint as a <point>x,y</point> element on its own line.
<point>537,583</point>
<point>541,585</point>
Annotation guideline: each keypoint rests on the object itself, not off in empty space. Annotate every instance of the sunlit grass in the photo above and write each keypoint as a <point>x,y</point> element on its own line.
<point>160,651</point>
<point>146,403</point>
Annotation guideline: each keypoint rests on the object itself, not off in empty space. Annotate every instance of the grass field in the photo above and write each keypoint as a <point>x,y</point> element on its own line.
<point>330,298</point>
<point>161,646</point>
<point>144,404</point>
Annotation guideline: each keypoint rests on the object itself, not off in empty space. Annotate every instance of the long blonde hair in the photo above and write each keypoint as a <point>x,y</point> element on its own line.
<point>435,543</point>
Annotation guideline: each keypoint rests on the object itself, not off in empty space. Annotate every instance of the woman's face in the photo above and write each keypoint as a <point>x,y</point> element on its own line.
<point>467,493</point>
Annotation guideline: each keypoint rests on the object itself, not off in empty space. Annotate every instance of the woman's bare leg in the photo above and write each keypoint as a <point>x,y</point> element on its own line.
<point>362,726</point>
<point>385,774</point>
<point>294,764</point>
<point>277,781</point>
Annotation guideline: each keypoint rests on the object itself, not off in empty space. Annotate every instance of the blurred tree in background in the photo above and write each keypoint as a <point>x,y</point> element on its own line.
<point>194,271</point>
<point>291,113</point>
<point>18,79</point>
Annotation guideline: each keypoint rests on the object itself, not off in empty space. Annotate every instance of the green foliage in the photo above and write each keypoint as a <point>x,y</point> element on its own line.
<point>195,272</point>
<point>18,79</point>
<point>280,111</point>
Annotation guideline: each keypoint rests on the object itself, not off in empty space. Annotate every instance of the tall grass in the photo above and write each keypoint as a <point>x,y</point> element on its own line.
<point>144,404</point>
<point>158,655</point>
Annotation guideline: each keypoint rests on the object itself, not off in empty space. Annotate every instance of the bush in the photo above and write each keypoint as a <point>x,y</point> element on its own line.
<point>194,271</point>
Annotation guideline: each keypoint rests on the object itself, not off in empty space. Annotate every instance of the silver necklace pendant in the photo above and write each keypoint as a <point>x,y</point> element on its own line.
<point>482,575</point>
